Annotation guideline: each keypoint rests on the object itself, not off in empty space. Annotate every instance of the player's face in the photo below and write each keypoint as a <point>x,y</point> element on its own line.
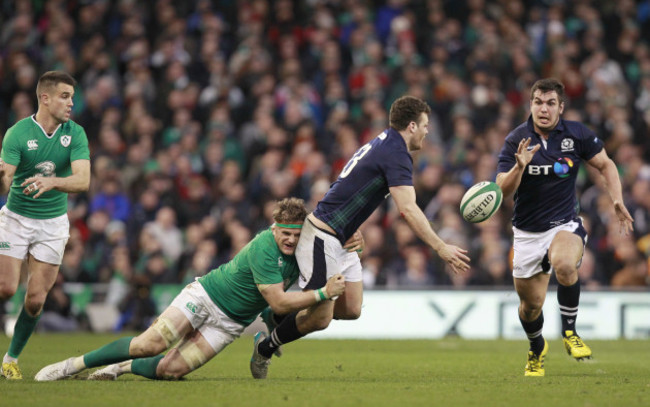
<point>420,130</point>
<point>286,239</point>
<point>60,102</point>
<point>546,110</point>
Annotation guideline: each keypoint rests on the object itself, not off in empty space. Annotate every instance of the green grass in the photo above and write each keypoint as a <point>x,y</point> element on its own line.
<point>450,372</point>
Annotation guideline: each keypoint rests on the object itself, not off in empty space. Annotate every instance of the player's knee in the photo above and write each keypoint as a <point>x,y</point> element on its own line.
<point>172,366</point>
<point>565,271</point>
<point>349,313</point>
<point>6,291</point>
<point>34,303</point>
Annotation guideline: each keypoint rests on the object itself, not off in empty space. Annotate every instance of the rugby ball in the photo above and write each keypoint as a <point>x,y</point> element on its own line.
<point>481,201</point>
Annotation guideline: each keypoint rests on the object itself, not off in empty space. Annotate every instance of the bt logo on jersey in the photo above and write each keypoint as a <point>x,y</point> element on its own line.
<point>561,168</point>
<point>539,169</point>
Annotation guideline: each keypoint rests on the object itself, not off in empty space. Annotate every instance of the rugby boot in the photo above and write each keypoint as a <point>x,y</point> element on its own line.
<point>259,364</point>
<point>575,347</point>
<point>535,365</point>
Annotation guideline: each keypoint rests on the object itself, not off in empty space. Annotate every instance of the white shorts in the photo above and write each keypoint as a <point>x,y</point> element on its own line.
<point>45,239</point>
<point>320,255</point>
<point>215,326</point>
<point>531,248</point>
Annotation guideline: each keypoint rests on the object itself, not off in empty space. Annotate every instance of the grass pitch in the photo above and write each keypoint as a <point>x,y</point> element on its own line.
<point>450,372</point>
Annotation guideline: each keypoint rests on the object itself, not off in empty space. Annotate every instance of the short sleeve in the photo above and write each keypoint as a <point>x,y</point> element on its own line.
<point>590,144</point>
<point>398,169</point>
<point>10,149</point>
<point>507,158</point>
<point>80,149</point>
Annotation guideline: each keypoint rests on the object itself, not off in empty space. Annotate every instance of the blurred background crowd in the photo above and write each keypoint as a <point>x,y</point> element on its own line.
<point>201,114</point>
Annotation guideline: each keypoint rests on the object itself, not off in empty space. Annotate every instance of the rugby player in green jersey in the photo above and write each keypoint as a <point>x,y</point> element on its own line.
<point>214,310</point>
<point>44,157</point>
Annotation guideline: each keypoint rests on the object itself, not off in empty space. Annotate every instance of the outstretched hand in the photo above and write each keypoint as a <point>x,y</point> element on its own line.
<point>455,257</point>
<point>624,218</point>
<point>524,155</point>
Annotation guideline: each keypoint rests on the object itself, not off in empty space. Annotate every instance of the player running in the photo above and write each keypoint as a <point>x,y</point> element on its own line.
<point>44,157</point>
<point>539,163</point>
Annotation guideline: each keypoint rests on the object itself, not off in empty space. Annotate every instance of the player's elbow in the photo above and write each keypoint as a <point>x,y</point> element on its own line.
<point>84,185</point>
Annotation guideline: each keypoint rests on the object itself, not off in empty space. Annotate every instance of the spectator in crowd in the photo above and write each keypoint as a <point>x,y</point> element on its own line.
<point>170,93</point>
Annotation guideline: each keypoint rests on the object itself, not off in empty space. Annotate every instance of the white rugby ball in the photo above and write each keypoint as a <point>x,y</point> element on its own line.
<point>481,201</point>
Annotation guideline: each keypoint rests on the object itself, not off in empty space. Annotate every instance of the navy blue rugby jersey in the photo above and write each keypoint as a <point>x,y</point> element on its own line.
<point>364,181</point>
<point>546,196</point>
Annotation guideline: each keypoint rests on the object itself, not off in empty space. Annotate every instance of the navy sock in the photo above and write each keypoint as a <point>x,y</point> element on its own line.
<point>533,330</point>
<point>286,332</point>
<point>568,297</point>
<point>278,318</point>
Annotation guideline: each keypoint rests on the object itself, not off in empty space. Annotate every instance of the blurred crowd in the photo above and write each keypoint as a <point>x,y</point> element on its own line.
<point>201,114</point>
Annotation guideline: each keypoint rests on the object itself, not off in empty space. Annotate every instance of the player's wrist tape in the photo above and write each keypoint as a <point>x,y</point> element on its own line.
<point>320,294</point>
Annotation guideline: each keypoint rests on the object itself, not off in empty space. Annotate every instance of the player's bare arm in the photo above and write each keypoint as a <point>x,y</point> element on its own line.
<point>509,181</point>
<point>79,181</point>
<point>7,172</point>
<point>282,302</point>
<point>404,197</point>
<point>608,171</point>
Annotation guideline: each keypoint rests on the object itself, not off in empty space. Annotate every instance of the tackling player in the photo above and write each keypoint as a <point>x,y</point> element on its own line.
<point>539,163</point>
<point>214,310</point>
<point>44,157</point>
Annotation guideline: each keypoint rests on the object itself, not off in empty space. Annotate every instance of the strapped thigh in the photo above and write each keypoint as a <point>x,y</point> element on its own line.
<point>166,329</point>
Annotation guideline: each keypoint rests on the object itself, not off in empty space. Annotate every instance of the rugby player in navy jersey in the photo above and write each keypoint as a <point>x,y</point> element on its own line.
<point>539,163</point>
<point>380,168</point>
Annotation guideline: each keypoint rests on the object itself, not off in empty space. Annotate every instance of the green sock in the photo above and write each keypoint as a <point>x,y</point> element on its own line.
<point>117,351</point>
<point>146,367</point>
<point>23,330</point>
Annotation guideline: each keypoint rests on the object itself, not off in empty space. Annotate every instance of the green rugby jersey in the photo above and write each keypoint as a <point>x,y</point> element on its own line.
<point>33,152</point>
<point>232,286</point>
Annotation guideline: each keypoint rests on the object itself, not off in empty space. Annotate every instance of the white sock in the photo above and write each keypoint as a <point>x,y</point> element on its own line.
<point>78,363</point>
<point>8,359</point>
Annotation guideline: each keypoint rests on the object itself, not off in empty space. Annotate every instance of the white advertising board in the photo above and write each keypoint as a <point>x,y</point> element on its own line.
<point>488,315</point>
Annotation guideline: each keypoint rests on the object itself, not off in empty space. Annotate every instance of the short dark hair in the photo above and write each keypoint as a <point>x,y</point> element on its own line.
<point>549,85</point>
<point>405,110</point>
<point>290,210</point>
<point>50,79</point>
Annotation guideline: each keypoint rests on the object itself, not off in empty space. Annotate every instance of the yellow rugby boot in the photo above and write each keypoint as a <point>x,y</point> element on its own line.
<point>11,371</point>
<point>535,365</point>
<point>575,346</point>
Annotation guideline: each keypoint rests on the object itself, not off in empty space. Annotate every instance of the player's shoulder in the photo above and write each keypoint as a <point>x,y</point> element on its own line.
<point>73,127</point>
<point>388,142</point>
<point>519,133</point>
<point>26,123</point>
<point>578,130</point>
<point>263,242</point>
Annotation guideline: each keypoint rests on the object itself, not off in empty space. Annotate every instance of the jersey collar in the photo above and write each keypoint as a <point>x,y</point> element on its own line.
<point>43,130</point>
